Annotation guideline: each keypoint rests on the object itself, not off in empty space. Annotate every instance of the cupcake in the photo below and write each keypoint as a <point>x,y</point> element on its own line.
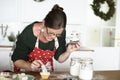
<point>74,37</point>
<point>45,75</point>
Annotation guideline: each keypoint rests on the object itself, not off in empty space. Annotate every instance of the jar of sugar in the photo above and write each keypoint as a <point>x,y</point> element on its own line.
<point>86,69</point>
<point>75,66</point>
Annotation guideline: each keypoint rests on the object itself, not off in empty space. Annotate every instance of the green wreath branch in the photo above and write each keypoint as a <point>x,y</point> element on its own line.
<point>97,5</point>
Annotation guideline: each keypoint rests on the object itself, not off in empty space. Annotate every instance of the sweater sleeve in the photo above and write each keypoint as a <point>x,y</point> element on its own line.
<point>62,45</point>
<point>24,45</point>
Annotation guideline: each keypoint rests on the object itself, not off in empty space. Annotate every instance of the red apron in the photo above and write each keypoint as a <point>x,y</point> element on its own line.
<point>46,56</point>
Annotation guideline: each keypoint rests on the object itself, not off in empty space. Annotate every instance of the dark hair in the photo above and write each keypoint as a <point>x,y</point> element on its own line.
<point>56,18</point>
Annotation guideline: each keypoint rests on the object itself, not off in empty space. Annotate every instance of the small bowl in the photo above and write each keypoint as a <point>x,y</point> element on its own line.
<point>45,75</point>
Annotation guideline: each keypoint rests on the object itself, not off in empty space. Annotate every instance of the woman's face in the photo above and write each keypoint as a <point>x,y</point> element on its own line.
<point>51,34</point>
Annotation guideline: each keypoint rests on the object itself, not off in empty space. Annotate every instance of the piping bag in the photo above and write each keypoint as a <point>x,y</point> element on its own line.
<point>44,68</point>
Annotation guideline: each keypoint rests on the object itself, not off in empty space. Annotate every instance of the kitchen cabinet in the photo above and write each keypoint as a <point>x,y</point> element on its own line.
<point>100,36</point>
<point>5,58</point>
<point>92,35</point>
<point>8,11</point>
<point>104,58</point>
<point>99,33</point>
<point>29,10</point>
<point>65,66</point>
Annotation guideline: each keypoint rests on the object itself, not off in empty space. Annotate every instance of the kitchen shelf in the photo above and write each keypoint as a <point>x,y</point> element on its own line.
<point>3,46</point>
<point>85,49</point>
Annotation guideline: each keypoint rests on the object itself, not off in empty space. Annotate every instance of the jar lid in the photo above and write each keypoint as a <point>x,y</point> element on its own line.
<point>76,59</point>
<point>87,59</point>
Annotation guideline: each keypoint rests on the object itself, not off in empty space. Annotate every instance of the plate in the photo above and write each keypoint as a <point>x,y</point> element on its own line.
<point>19,77</point>
<point>30,77</point>
<point>5,74</point>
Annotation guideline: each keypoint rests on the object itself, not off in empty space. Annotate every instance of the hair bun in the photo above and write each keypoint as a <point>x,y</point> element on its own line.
<point>57,7</point>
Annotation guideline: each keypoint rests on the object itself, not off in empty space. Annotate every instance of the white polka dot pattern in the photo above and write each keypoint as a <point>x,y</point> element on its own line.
<point>43,55</point>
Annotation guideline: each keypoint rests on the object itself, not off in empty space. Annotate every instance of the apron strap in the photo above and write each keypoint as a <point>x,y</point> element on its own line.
<point>37,43</point>
<point>56,43</point>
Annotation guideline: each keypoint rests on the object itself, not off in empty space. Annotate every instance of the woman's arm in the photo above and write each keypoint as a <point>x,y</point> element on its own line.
<point>25,65</point>
<point>34,66</point>
<point>63,51</point>
<point>70,48</point>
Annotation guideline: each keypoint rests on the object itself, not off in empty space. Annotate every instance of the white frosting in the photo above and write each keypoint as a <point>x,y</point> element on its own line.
<point>22,76</point>
<point>45,73</point>
<point>74,36</point>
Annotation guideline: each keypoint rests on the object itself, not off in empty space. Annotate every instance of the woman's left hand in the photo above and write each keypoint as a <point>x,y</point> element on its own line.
<point>70,49</point>
<point>73,47</point>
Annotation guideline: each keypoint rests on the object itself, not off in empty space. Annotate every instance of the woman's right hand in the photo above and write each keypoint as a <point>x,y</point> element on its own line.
<point>36,64</point>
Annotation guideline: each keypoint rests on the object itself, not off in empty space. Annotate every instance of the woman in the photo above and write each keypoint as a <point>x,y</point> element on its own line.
<point>40,41</point>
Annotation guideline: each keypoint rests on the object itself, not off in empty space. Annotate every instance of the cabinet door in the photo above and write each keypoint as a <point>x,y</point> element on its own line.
<point>30,11</point>
<point>65,66</point>
<point>5,59</point>
<point>8,11</point>
<point>104,58</point>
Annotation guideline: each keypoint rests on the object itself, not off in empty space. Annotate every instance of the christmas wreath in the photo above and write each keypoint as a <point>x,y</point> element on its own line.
<point>97,5</point>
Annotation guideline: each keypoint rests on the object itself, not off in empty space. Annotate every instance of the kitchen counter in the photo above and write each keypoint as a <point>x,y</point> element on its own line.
<point>97,75</point>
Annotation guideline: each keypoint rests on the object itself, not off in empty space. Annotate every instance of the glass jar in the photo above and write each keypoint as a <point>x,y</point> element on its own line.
<point>86,69</point>
<point>75,66</point>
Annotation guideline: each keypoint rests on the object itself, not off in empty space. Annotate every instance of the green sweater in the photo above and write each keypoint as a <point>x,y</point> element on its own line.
<point>26,43</point>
